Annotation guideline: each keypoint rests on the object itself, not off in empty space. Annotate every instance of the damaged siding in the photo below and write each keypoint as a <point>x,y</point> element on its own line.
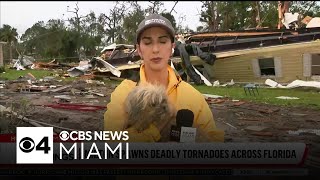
<point>288,61</point>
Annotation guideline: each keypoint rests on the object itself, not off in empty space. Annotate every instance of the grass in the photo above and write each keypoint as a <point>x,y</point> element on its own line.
<point>13,74</point>
<point>307,97</point>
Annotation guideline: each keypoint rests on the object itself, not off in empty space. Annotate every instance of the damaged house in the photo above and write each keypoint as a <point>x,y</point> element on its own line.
<point>244,56</point>
<point>254,56</point>
<point>119,53</point>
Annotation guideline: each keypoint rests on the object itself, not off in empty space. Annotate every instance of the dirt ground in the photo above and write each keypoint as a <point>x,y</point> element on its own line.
<point>241,121</point>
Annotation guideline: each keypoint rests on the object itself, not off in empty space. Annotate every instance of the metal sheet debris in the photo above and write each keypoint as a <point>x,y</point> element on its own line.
<point>287,97</point>
<point>311,131</point>
<point>205,80</point>
<point>212,96</point>
<point>107,67</point>
<point>78,71</point>
<point>314,22</point>
<point>294,84</point>
<point>63,97</point>
<point>289,18</point>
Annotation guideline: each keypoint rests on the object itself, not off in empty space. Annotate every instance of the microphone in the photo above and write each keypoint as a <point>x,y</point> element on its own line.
<point>183,131</point>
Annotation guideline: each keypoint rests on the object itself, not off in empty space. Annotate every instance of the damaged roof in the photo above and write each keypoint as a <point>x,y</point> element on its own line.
<point>117,46</point>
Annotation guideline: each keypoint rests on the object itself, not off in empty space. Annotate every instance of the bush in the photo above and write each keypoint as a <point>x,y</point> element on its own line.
<point>2,69</point>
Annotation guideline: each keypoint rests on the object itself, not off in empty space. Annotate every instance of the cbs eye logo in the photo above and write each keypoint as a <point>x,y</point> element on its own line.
<point>64,135</point>
<point>34,145</point>
<point>27,145</point>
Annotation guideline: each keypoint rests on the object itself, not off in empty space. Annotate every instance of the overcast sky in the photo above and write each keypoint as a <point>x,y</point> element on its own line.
<point>23,14</point>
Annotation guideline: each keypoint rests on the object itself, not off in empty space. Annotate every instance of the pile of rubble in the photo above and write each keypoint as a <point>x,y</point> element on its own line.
<point>244,121</point>
<point>77,105</point>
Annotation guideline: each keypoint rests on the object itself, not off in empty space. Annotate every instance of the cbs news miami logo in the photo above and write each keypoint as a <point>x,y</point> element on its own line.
<point>34,145</point>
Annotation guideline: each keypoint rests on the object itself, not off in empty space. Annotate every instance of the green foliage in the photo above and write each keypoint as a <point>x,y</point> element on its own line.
<point>170,17</point>
<point>131,22</point>
<point>306,8</point>
<point>63,39</point>
<point>66,39</point>
<point>307,97</point>
<point>13,74</point>
<point>154,7</point>
<point>2,69</point>
<point>9,35</point>
<point>216,15</point>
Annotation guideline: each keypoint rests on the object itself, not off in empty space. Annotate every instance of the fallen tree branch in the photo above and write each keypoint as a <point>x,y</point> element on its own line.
<point>33,122</point>
<point>37,123</point>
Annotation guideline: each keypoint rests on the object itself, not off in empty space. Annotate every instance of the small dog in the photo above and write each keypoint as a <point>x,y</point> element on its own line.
<point>148,103</point>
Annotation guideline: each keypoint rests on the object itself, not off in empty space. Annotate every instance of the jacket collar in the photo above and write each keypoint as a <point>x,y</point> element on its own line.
<point>174,79</point>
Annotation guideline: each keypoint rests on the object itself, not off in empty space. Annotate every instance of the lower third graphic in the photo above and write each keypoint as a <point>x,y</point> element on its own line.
<point>34,145</point>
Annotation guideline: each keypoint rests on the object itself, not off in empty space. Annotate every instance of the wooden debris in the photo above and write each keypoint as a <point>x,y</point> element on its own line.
<point>254,119</point>
<point>116,78</point>
<point>33,122</point>
<point>238,103</point>
<point>98,94</point>
<point>229,125</point>
<point>57,89</point>
<point>269,134</point>
<point>255,128</point>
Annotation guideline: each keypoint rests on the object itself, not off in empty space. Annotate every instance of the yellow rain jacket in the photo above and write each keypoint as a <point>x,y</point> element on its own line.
<point>180,93</point>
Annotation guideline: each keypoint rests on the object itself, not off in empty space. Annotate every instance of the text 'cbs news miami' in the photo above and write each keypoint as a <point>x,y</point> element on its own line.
<point>35,145</point>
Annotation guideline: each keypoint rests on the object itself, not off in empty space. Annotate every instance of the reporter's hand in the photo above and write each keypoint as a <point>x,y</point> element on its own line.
<point>161,124</point>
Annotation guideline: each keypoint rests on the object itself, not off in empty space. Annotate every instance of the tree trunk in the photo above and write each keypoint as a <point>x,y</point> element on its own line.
<point>283,7</point>
<point>257,19</point>
<point>114,26</point>
<point>1,56</point>
<point>10,53</point>
<point>213,24</point>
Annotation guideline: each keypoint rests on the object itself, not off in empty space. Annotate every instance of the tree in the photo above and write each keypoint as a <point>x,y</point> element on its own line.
<point>53,37</point>
<point>92,33</point>
<point>113,22</point>
<point>34,39</point>
<point>245,14</point>
<point>171,18</point>
<point>75,21</point>
<point>269,14</point>
<point>131,22</point>
<point>154,7</point>
<point>9,35</point>
<point>200,29</point>
<point>306,8</point>
<point>210,15</point>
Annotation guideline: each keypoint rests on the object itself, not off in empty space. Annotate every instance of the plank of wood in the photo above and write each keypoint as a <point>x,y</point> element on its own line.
<point>219,34</point>
<point>57,89</point>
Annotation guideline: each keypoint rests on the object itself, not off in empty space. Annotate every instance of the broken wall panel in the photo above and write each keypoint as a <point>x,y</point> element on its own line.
<point>245,66</point>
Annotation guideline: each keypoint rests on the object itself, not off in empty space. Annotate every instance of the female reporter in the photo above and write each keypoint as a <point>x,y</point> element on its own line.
<point>155,43</point>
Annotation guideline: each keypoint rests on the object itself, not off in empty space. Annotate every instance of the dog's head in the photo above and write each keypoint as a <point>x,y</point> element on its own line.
<point>149,101</point>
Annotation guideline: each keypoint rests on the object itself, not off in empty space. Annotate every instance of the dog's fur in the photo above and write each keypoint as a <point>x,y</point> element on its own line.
<point>148,103</point>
